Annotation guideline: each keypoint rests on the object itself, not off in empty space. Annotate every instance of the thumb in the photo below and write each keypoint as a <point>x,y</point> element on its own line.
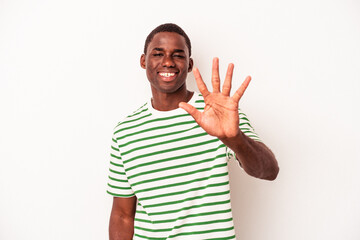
<point>196,114</point>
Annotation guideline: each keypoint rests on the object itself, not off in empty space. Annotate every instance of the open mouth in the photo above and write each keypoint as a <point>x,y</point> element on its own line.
<point>167,76</point>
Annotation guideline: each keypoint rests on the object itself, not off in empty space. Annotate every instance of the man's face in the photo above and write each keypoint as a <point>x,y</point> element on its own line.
<point>167,62</point>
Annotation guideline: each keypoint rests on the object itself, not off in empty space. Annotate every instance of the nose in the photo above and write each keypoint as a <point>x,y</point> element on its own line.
<point>168,61</point>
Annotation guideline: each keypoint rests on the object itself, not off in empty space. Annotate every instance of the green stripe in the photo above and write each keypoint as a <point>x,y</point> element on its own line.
<point>169,150</point>
<point>204,223</point>
<point>150,238</point>
<point>222,238</point>
<point>170,159</point>
<point>116,187</point>
<point>190,207</point>
<point>156,128</point>
<point>184,225</point>
<point>114,148</point>
<point>156,136</point>
<point>180,174</point>
<point>184,217</point>
<point>244,118</point>
<point>114,156</point>
<point>183,183</point>
<point>116,164</point>
<point>120,195</point>
<point>153,230</point>
<point>252,136</point>
<point>185,191</point>
<point>134,113</point>
<point>151,121</point>
<point>187,199</point>
<point>202,232</point>
<point>136,119</point>
<point>164,142</point>
<point>118,180</point>
<point>137,113</point>
<point>121,173</point>
<point>246,130</point>
<point>248,123</point>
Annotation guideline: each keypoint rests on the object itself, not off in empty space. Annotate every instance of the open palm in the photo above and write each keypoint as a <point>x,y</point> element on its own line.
<point>220,117</point>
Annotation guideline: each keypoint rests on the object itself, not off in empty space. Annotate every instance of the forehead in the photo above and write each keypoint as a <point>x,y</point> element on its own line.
<point>168,41</point>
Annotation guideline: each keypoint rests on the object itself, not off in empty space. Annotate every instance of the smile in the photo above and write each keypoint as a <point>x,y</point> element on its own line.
<point>166,74</point>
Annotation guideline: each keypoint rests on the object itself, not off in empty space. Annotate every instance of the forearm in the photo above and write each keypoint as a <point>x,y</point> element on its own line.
<point>121,227</point>
<point>256,159</point>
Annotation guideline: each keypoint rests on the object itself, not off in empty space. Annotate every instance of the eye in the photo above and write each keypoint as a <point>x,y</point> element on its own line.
<point>179,56</point>
<point>157,54</point>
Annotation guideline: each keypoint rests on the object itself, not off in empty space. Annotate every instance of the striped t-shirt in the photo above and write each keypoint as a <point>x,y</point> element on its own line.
<point>177,171</point>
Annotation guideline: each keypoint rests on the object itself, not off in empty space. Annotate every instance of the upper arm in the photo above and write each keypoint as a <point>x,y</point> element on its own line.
<point>121,225</point>
<point>124,207</point>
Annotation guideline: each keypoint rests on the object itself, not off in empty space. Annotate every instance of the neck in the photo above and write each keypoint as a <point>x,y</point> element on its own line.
<point>168,101</point>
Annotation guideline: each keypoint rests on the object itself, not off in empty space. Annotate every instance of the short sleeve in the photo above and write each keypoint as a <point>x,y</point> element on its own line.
<point>118,184</point>
<point>247,129</point>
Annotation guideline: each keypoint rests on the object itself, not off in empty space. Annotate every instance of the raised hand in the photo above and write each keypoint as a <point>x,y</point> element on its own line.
<point>220,117</point>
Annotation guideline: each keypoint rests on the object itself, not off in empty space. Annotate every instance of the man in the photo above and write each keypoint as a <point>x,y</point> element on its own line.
<point>168,171</point>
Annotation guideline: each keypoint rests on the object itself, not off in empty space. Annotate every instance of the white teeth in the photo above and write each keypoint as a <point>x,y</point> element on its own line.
<point>167,74</point>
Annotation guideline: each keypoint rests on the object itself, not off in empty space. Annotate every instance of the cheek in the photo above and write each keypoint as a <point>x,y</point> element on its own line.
<point>185,69</point>
<point>182,76</point>
<point>151,66</point>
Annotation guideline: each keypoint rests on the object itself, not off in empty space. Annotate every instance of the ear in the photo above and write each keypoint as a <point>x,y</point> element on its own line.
<point>191,64</point>
<point>142,61</point>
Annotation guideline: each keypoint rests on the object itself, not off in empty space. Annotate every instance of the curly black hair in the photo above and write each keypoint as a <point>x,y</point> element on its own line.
<point>168,27</point>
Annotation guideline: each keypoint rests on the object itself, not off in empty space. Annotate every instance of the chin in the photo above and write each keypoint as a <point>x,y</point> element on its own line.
<point>169,89</point>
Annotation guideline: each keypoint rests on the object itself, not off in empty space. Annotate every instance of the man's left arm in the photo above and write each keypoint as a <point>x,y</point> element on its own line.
<point>220,118</point>
<point>254,157</point>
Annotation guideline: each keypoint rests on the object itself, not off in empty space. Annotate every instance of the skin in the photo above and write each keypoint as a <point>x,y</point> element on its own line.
<point>220,119</point>
<point>121,226</point>
<point>167,52</point>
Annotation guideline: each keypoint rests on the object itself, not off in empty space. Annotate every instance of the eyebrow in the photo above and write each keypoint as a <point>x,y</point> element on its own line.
<point>175,50</point>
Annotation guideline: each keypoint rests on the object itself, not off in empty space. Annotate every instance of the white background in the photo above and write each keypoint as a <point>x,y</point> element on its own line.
<point>69,71</point>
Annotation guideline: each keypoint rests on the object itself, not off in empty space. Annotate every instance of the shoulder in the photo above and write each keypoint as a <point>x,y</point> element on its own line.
<point>136,115</point>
